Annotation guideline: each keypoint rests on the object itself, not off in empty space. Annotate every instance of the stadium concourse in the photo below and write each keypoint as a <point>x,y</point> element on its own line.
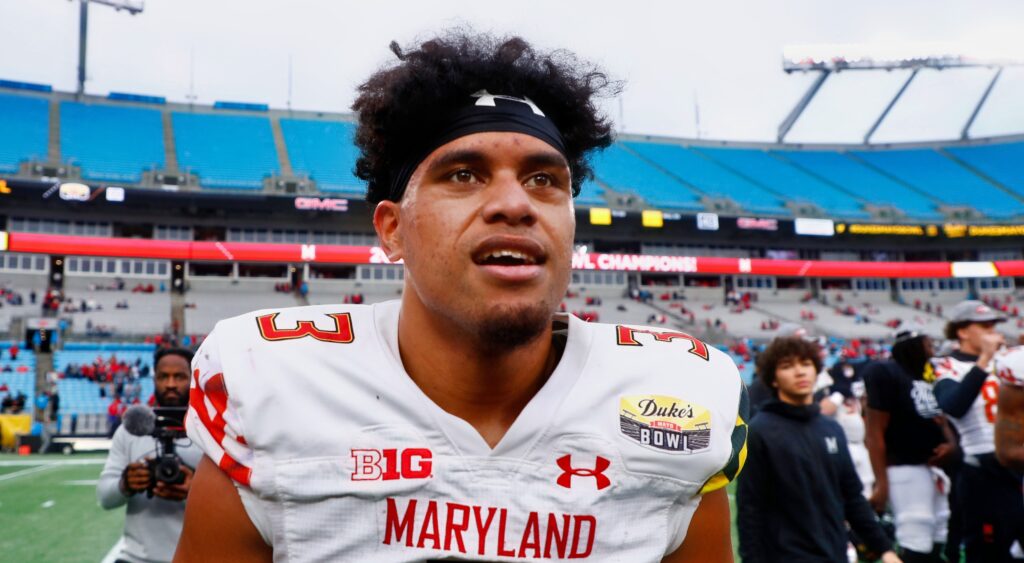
<point>132,223</point>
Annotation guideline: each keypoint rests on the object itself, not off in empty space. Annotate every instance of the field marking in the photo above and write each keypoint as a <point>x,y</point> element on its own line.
<point>53,462</point>
<point>111,556</point>
<point>88,482</point>
<point>24,472</point>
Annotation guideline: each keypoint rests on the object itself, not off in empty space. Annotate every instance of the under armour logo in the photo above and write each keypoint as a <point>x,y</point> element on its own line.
<point>485,98</point>
<point>568,471</point>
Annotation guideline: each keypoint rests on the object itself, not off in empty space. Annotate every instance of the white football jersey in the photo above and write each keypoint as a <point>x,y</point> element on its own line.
<point>1009,365</point>
<point>977,426</point>
<point>312,410</point>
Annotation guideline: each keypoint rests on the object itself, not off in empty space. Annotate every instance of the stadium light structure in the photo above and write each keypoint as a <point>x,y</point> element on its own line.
<point>133,7</point>
<point>827,59</point>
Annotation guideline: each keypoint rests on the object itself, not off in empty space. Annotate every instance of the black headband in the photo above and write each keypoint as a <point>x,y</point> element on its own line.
<point>487,113</point>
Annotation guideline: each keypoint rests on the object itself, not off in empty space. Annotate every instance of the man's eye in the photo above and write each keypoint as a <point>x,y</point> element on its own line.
<point>540,181</point>
<point>463,177</point>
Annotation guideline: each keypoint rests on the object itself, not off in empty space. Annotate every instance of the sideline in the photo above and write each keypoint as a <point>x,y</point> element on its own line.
<point>111,556</point>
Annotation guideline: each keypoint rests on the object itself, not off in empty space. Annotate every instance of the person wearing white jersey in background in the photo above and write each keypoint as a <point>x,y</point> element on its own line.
<point>1009,368</point>
<point>967,390</point>
<point>466,421</point>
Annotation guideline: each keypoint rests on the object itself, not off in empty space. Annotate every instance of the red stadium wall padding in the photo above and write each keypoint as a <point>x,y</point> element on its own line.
<point>336,254</point>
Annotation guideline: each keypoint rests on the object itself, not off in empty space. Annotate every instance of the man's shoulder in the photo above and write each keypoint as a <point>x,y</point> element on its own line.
<point>632,342</point>
<point>335,323</point>
<point>303,312</point>
<point>950,368</point>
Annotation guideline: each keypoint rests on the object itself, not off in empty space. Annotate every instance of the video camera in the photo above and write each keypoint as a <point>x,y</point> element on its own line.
<point>165,424</point>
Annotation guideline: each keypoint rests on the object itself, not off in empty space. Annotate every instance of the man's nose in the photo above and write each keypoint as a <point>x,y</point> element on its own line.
<point>508,201</point>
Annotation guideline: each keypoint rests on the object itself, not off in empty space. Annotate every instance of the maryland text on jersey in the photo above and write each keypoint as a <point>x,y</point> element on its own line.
<point>311,409</point>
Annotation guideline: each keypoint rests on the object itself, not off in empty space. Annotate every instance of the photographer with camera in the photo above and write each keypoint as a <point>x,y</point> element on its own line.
<point>150,464</point>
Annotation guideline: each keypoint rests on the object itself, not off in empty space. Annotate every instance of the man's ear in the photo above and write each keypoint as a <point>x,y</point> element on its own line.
<point>386,221</point>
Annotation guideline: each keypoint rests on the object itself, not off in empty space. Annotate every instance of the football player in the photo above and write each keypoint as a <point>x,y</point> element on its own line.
<point>909,440</point>
<point>467,420</point>
<point>967,389</point>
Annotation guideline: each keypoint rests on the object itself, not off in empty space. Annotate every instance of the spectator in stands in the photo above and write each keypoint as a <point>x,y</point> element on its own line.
<point>909,440</point>
<point>152,524</point>
<point>13,351</point>
<point>799,483</point>
<point>114,413</point>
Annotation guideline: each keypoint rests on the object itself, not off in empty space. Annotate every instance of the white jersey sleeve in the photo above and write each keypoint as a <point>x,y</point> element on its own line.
<point>1009,366</point>
<point>213,421</point>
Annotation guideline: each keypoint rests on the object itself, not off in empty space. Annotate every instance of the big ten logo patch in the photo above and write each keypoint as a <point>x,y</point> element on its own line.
<point>391,463</point>
<point>340,333</point>
<point>628,336</point>
<point>665,423</point>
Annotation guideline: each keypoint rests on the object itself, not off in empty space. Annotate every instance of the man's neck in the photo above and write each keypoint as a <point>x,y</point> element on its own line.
<point>486,388</point>
<point>966,348</point>
<point>796,400</point>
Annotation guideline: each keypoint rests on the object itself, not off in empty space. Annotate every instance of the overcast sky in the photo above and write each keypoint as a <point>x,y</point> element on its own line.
<point>724,56</point>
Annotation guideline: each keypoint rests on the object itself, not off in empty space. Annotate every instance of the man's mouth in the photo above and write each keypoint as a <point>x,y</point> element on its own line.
<point>510,258</point>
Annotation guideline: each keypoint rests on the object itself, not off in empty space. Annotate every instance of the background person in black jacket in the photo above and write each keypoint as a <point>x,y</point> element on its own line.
<point>908,438</point>
<point>799,484</point>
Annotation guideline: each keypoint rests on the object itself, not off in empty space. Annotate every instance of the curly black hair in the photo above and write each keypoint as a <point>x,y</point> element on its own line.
<point>402,102</point>
<point>784,348</point>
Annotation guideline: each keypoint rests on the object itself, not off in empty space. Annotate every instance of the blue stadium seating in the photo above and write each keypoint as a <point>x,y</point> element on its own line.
<point>110,142</point>
<point>81,396</point>
<point>930,172</point>
<point>590,194</point>
<point>323,150</point>
<point>782,178</point>
<point>857,178</point>
<point>226,151</point>
<point>1004,163</point>
<point>623,171</point>
<point>709,176</point>
<point>18,375</point>
<point>24,130</point>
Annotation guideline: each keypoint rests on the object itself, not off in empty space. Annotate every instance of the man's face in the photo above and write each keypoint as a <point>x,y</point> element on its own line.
<point>794,379</point>
<point>486,230</point>
<point>972,334</point>
<point>171,381</point>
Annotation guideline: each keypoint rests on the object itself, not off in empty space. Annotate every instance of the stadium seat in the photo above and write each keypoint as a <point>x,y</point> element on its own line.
<point>26,128</point>
<point>110,142</point>
<point>623,171</point>
<point>226,151</point>
<point>590,194</point>
<point>870,184</point>
<point>323,150</point>
<point>709,176</point>
<point>1003,163</point>
<point>781,177</point>
<point>931,172</point>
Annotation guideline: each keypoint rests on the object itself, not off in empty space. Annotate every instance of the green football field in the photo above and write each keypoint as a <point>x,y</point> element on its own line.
<point>49,513</point>
<point>48,509</point>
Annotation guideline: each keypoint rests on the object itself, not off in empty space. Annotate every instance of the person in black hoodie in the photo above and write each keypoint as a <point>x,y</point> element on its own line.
<point>799,484</point>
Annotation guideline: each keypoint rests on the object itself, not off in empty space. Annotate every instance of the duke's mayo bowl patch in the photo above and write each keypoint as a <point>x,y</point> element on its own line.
<point>665,424</point>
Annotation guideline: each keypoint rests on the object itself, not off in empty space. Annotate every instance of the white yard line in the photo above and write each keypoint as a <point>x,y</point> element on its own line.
<point>54,462</point>
<point>114,551</point>
<point>24,472</point>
